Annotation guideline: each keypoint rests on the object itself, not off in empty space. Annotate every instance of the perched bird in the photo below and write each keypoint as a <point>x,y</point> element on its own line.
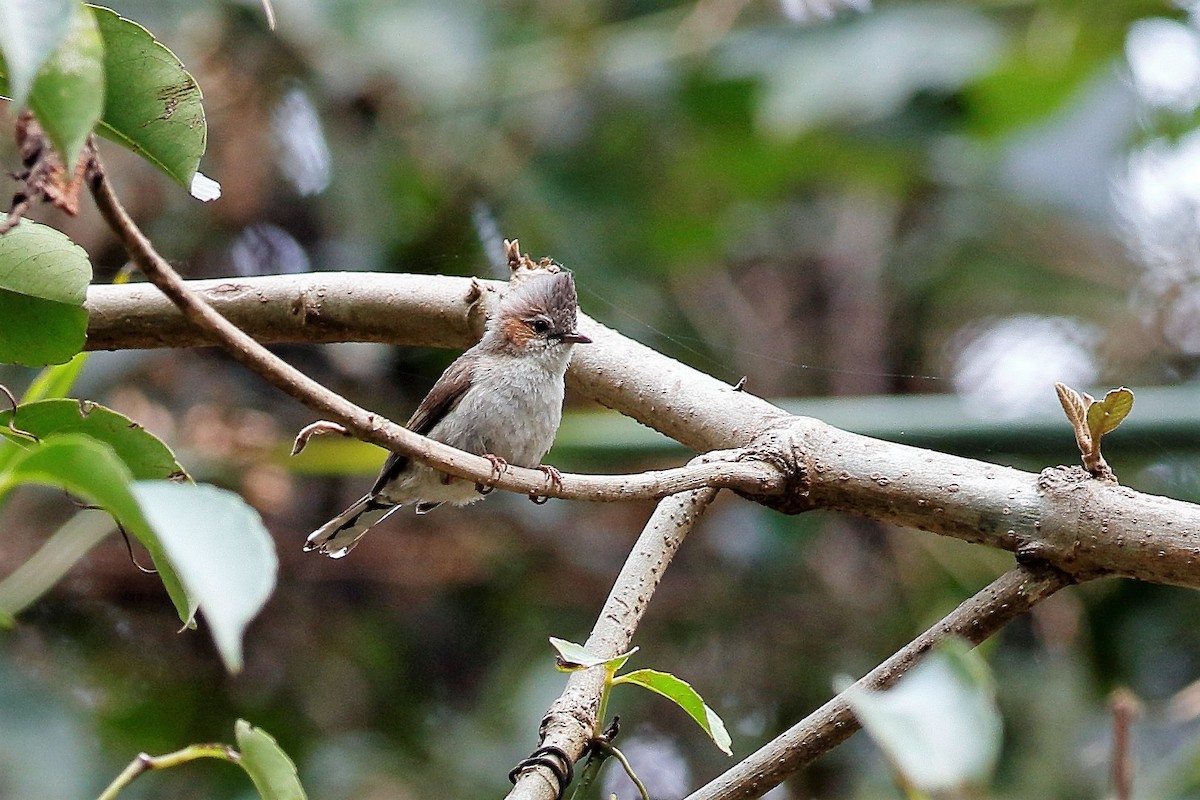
<point>501,399</point>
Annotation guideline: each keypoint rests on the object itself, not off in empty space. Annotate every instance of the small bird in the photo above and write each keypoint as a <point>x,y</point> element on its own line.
<point>501,399</point>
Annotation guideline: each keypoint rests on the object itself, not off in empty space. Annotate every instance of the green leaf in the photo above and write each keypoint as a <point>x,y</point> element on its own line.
<point>68,94</point>
<point>36,332</point>
<point>55,382</point>
<point>221,551</point>
<point>574,657</point>
<point>683,695</point>
<point>91,470</point>
<point>143,453</point>
<point>938,725</point>
<point>273,773</point>
<point>152,105</point>
<point>58,554</point>
<point>43,282</point>
<point>30,30</point>
<point>1103,416</point>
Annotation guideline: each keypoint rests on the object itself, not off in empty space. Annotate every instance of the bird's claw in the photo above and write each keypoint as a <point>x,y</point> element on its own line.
<point>553,477</point>
<point>499,465</point>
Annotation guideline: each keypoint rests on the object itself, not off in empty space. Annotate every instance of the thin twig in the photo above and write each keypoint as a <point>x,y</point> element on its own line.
<point>145,763</point>
<point>573,721</point>
<point>1125,709</point>
<point>977,618</point>
<point>624,762</point>
<point>12,419</point>
<point>757,478</point>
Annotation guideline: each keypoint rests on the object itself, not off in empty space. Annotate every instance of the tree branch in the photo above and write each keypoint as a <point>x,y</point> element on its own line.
<point>1082,526</point>
<point>1004,599</point>
<point>747,476</point>
<point>695,409</point>
<point>572,719</point>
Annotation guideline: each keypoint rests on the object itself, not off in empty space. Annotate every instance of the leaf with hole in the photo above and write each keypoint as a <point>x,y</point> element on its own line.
<point>143,453</point>
<point>683,695</point>
<point>575,657</point>
<point>43,283</point>
<point>273,772</point>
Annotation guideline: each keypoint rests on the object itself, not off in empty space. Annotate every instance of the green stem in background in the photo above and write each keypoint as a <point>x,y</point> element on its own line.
<point>145,763</point>
<point>67,545</point>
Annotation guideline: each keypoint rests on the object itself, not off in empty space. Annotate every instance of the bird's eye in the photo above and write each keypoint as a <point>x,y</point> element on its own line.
<point>540,326</point>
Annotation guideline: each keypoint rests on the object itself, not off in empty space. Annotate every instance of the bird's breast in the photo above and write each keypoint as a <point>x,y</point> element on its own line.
<point>512,410</point>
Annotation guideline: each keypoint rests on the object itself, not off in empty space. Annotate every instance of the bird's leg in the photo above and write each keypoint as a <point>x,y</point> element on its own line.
<point>499,465</point>
<point>553,477</point>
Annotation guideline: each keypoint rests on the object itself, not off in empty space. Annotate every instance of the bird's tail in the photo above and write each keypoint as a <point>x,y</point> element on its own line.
<point>338,537</point>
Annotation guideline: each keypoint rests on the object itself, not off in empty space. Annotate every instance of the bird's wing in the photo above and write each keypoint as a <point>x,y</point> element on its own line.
<point>441,400</point>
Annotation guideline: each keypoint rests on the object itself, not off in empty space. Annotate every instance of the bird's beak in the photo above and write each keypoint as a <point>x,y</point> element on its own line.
<point>575,337</point>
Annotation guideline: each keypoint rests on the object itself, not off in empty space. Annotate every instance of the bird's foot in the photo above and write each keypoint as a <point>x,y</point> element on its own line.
<point>499,465</point>
<point>553,477</point>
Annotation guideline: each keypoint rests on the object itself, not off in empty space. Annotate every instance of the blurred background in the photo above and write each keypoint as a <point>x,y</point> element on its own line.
<point>906,218</point>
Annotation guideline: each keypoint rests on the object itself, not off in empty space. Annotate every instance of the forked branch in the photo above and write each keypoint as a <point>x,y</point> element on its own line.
<point>572,719</point>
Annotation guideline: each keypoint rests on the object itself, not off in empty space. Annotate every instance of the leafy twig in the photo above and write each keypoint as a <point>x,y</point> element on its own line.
<point>573,719</point>
<point>1091,419</point>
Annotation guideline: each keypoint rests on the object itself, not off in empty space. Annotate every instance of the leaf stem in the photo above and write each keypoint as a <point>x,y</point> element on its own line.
<point>146,763</point>
<point>609,749</point>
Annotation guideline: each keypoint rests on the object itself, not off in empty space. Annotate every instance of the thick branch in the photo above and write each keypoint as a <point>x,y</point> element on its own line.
<point>1004,599</point>
<point>572,720</point>
<point>430,310</point>
<point>1063,516</point>
<point>1082,527</point>
<point>378,430</point>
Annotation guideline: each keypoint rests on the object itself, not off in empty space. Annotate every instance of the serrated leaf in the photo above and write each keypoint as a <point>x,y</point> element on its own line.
<point>30,31</point>
<point>574,657</point>
<point>152,104</point>
<point>91,470</point>
<point>273,772</point>
<point>1105,415</point>
<point>43,283</point>
<point>938,725</point>
<point>683,695</point>
<point>55,382</point>
<point>221,552</point>
<point>68,93</point>
<point>143,453</point>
